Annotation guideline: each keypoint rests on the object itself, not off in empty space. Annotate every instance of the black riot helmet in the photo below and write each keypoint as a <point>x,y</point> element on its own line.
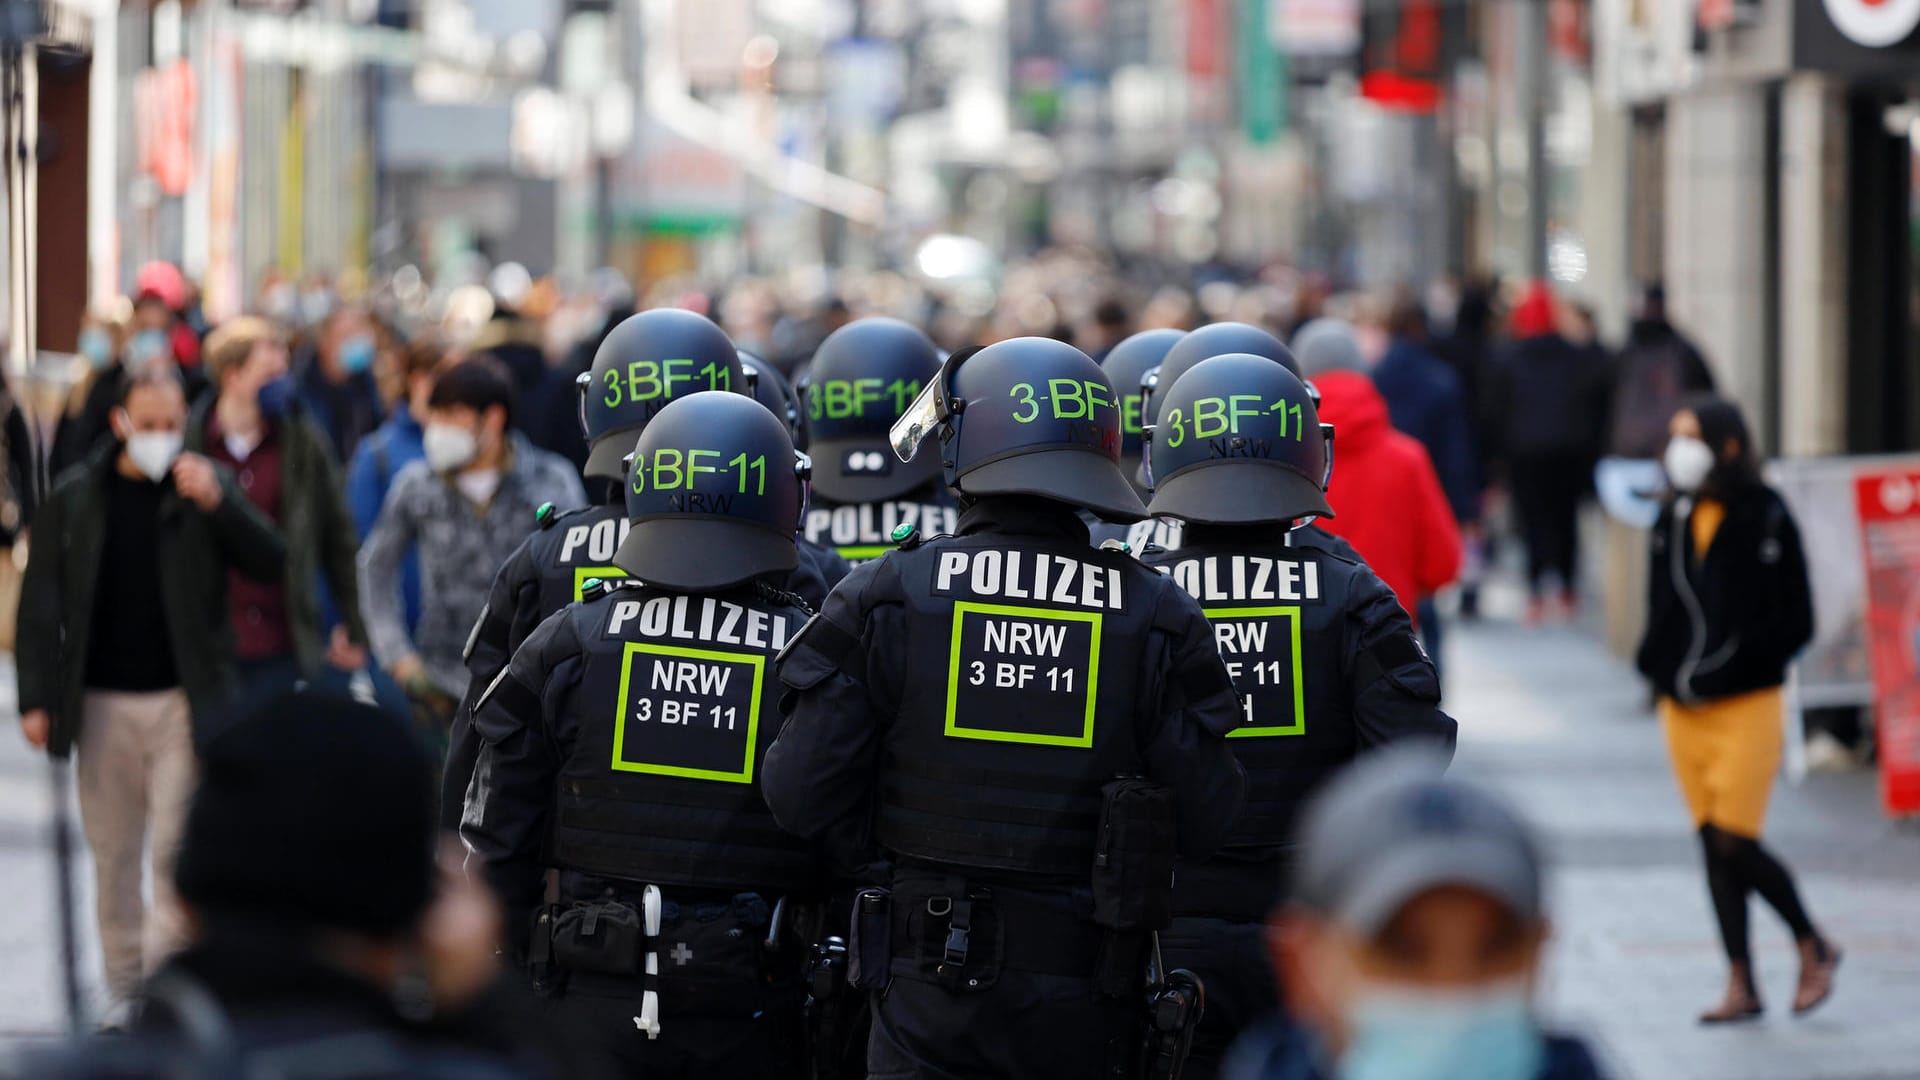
<point>864,376</point>
<point>1026,416</point>
<point>648,360</point>
<point>1213,339</point>
<point>1126,365</point>
<point>1239,442</point>
<point>770,388</point>
<point>715,491</point>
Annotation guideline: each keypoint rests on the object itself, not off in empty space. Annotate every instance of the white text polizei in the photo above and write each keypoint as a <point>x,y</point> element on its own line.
<point>873,523</point>
<point>1029,575</point>
<point>1247,577</point>
<point>702,619</point>
<point>597,542</point>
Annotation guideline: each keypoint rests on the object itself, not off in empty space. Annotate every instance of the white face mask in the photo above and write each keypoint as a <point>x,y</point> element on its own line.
<point>153,452</point>
<point>478,485</point>
<point>1688,462</point>
<point>449,446</point>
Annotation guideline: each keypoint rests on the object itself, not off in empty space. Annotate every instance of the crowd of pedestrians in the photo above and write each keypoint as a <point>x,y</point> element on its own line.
<point>321,497</point>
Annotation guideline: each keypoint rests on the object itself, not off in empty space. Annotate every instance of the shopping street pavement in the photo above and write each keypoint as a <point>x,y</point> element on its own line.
<point>1552,720</point>
<point>1562,728</point>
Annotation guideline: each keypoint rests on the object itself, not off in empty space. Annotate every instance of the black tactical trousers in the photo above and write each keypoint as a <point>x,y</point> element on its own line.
<point>689,1047</point>
<point>1048,1027</point>
<point>1231,959</point>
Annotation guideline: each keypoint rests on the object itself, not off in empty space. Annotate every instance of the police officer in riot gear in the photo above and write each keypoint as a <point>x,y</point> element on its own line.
<point>770,388</point>
<point>1126,366</point>
<point>1211,340</point>
<point>622,749</point>
<point>821,567</point>
<point>649,359</point>
<point>1038,724</point>
<point>1326,661</point>
<point>862,378</point>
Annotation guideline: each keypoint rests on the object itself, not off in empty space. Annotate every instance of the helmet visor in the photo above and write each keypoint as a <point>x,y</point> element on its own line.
<point>581,384</point>
<point>918,421</point>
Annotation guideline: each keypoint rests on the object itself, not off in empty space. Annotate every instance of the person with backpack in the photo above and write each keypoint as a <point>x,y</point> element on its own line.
<point>1657,371</point>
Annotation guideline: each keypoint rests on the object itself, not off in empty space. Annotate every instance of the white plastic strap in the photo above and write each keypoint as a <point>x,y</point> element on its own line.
<point>649,1018</point>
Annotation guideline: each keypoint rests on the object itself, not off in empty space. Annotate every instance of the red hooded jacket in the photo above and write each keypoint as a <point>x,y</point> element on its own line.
<point>1385,495</point>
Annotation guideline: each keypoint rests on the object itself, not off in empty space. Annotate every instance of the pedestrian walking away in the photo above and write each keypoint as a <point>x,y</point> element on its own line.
<point>1728,607</point>
<point>1552,396</point>
<point>1032,725</point>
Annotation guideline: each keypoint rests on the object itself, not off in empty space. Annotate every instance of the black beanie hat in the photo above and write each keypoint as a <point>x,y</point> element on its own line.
<point>314,810</point>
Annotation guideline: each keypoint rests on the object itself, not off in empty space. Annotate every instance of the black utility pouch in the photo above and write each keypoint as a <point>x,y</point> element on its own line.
<point>959,939</point>
<point>606,937</point>
<point>714,961</point>
<point>1133,862</point>
<point>870,948</point>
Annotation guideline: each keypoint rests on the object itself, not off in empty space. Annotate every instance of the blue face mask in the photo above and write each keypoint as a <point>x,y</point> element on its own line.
<point>277,396</point>
<point>146,347</point>
<point>356,353</point>
<point>97,346</point>
<point>1486,1034</point>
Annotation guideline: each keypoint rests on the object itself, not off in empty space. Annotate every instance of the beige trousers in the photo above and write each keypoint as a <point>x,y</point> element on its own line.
<point>135,774</point>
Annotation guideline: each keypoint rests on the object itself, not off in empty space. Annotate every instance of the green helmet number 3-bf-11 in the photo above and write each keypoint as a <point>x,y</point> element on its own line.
<point>648,360</point>
<point>1238,442</point>
<point>863,376</point>
<point>1026,416</point>
<point>715,492</point>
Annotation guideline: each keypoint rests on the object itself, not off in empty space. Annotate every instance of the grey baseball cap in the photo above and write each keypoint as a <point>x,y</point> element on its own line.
<point>1325,345</point>
<point>1394,826</point>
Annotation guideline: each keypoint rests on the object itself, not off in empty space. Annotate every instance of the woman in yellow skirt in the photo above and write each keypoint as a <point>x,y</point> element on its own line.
<point>1729,606</point>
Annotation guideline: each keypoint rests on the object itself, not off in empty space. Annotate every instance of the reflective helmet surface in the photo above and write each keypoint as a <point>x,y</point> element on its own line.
<point>864,375</point>
<point>648,360</point>
<point>1037,416</point>
<point>1219,339</point>
<point>770,388</point>
<point>1239,442</point>
<point>1126,364</point>
<point>715,492</point>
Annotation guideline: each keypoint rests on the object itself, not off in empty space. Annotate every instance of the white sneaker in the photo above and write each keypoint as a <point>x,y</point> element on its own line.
<point>1828,754</point>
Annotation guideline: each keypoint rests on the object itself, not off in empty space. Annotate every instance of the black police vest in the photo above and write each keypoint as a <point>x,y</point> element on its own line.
<point>1278,616</point>
<point>577,548</point>
<point>864,531</point>
<point>1024,678</point>
<point>674,710</point>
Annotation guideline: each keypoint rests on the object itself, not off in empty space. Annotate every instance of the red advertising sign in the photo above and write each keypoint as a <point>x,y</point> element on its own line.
<point>1888,500</point>
<point>1401,56</point>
